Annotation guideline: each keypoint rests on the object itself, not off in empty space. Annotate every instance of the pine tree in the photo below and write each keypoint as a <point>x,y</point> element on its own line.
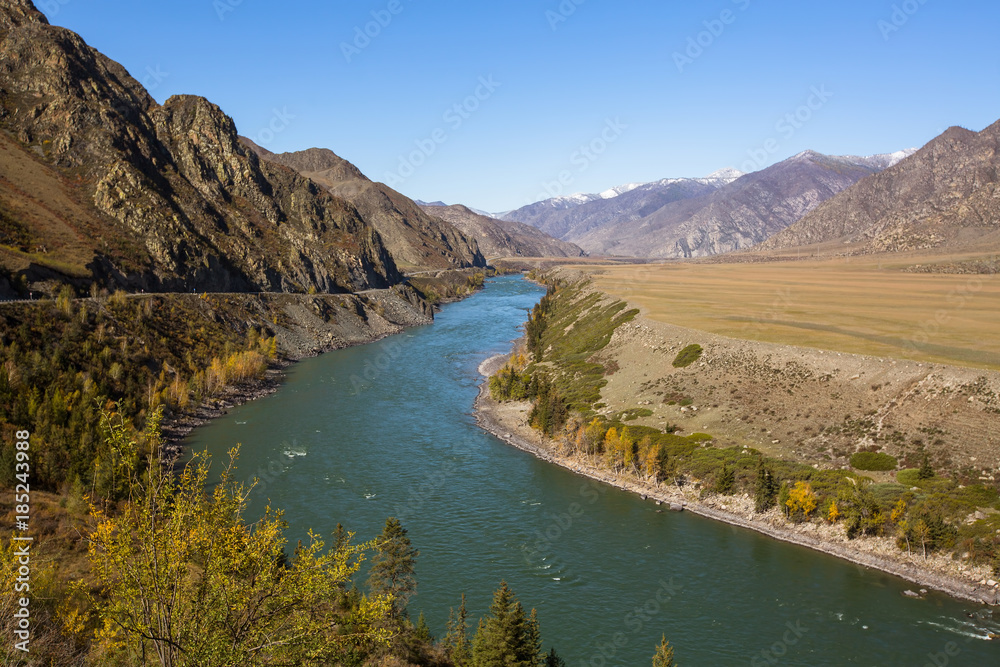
<point>766,489</point>
<point>727,480</point>
<point>926,471</point>
<point>393,566</point>
<point>421,631</point>
<point>553,660</point>
<point>664,656</point>
<point>507,637</point>
<point>456,639</point>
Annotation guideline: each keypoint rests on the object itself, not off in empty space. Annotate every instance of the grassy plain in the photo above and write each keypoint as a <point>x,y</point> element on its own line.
<point>857,306</point>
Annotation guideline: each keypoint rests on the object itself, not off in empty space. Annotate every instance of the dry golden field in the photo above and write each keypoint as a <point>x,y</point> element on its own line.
<point>858,306</point>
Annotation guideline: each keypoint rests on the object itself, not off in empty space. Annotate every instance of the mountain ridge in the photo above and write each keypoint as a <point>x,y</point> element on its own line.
<point>416,239</point>
<point>103,185</point>
<point>944,195</point>
<point>504,238</point>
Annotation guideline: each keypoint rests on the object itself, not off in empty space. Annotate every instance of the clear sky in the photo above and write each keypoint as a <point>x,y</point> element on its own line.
<point>653,89</point>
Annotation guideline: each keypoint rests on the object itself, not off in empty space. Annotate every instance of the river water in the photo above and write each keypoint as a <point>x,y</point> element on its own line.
<point>387,429</point>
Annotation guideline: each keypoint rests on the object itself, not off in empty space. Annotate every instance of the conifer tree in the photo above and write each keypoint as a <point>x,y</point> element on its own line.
<point>925,471</point>
<point>664,656</point>
<point>507,637</point>
<point>727,479</point>
<point>393,566</point>
<point>553,660</point>
<point>456,639</point>
<point>421,631</point>
<point>766,489</point>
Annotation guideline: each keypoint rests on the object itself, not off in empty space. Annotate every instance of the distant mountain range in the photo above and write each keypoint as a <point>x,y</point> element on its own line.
<point>676,218</point>
<point>503,238</point>
<point>944,196</point>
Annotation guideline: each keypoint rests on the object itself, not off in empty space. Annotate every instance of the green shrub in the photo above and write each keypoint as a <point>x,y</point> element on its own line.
<point>688,356</point>
<point>873,461</point>
<point>908,477</point>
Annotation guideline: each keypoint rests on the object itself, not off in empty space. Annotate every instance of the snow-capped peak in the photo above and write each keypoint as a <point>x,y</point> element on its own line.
<point>726,174</point>
<point>611,193</point>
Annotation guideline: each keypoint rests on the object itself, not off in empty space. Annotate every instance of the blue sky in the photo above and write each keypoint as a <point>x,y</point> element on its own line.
<point>557,96</point>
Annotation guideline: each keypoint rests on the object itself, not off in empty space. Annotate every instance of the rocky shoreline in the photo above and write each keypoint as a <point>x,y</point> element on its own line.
<point>508,422</point>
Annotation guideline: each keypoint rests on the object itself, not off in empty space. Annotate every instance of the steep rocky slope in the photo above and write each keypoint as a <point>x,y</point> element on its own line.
<point>99,182</point>
<point>944,196</point>
<point>504,238</point>
<point>417,240</point>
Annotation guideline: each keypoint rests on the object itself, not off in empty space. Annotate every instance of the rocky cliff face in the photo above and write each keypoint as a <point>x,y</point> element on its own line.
<point>417,240</point>
<point>504,238</point>
<point>100,182</point>
<point>946,195</point>
<point>735,216</point>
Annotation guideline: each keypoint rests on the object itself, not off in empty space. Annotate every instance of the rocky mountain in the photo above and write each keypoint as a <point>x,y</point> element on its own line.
<point>571,217</point>
<point>416,239</point>
<point>504,238</point>
<point>735,216</point>
<point>98,182</point>
<point>945,195</point>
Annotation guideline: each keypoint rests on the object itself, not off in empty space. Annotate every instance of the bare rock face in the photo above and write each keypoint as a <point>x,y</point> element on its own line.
<point>416,239</point>
<point>504,238</point>
<point>102,183</point>
<point>945,195</point>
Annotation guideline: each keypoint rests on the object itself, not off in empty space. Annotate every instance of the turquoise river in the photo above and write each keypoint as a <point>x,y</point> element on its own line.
<point>387,429</point>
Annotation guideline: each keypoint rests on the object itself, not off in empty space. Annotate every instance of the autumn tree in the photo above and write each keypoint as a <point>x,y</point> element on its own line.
<point>393,566</point>
<point>507,637</point>
<point>184,579</point>
<point>801,498</point>
<point>664,656</point>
